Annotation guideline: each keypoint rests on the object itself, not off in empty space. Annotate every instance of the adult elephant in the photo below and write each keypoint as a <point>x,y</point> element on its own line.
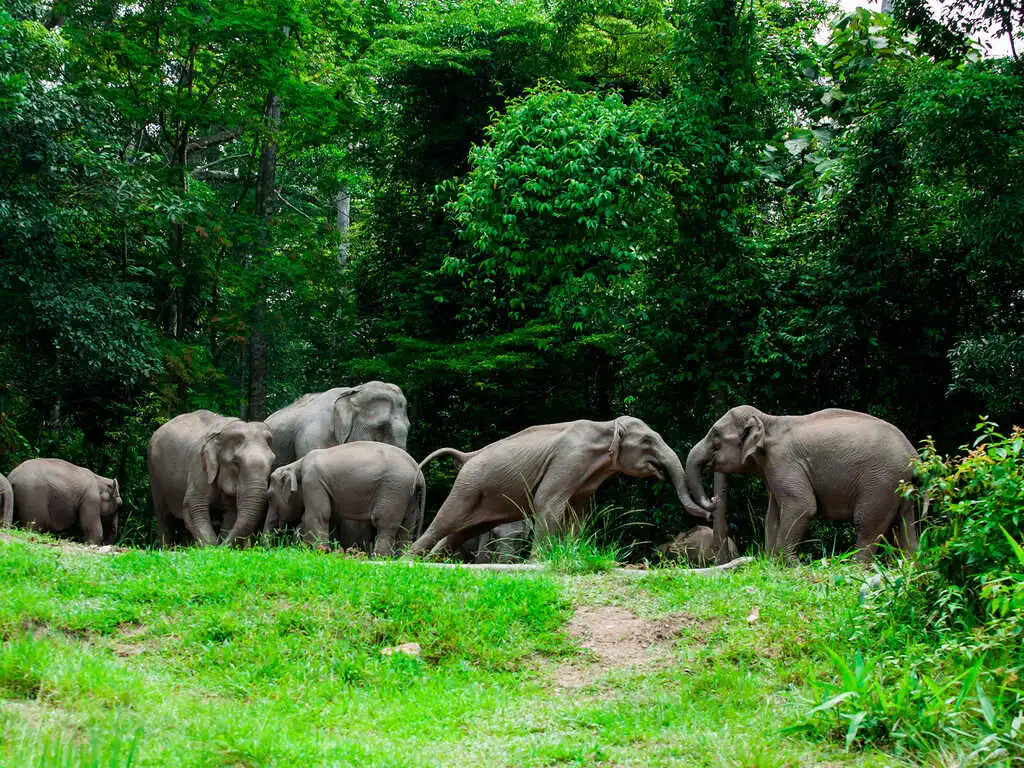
<point>57,496</point>
<point>348,487</point>
<point>844,465</point>
<point>6,503</point>
<point>544,471</point>
<point>373,411</point>
<point>202,462</point>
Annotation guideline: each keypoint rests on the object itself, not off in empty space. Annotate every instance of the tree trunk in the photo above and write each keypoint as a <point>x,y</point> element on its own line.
<point>343,203</point>
<point>257,347</point>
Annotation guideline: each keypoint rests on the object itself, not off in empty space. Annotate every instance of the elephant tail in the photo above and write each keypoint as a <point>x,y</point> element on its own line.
<point>420,500</point>
<point>458,456</point>
<point>6,503</point>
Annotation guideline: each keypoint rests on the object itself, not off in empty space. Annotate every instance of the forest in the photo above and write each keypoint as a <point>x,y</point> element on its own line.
<point>520,212</point>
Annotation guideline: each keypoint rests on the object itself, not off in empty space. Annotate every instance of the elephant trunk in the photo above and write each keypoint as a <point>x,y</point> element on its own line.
<point>674,471</point>
<point>251,507</point>
<point>696,461</point>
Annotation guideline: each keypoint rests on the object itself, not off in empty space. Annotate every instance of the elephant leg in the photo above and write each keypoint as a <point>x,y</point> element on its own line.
<point>197,522</point>
<point>872,517</point>
<point>91,525</point>
<point>316,519</point>
<point>906,530</point>
<point>550,503</point>
<point>457,511</point>
<point>771,527</point>
<point>795,514</point>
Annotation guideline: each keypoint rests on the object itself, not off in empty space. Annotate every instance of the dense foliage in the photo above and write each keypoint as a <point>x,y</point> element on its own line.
<point>936,648</point>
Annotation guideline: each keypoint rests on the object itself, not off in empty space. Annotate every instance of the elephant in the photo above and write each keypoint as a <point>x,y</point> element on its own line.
<point>845,465</point>
<point>201,462</point>
<point>505,543</point>
<point>57,496</point>
<point>371,411</point>
<point>6,503</point>
<point>698,547</point>
<point>541,472</point>
<point>350,485</point>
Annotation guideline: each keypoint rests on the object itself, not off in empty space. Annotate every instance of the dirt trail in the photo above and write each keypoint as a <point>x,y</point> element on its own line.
<point>617,638</point>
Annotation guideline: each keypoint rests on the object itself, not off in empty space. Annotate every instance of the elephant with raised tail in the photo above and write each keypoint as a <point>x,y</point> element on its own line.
<point>206,469</point>
<point>373,411</point>
<point>843,465</point>
<point>60,497</point>
<point>6,503</point>
<point>544,472</point>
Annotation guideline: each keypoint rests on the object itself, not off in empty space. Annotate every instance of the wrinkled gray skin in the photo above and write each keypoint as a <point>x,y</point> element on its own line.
<point>205,470</point>
<point>371,411</point>
<point>6,503</point>
<point>698,547</point>
<point>844,465</point>
<point>57,496</point>
<point>544,471</point>
<point>350,486</point>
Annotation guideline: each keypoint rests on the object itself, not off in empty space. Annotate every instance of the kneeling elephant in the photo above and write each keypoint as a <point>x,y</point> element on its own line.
<point>543,471</point>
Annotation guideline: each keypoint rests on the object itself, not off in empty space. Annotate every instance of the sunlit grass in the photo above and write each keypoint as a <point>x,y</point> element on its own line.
<point>273,658</point>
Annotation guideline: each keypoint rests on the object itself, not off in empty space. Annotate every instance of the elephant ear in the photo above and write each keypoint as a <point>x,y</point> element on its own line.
<point>753,438</point>
<point>208,455</point>
<point>344,414</point>
<point>292,480</point>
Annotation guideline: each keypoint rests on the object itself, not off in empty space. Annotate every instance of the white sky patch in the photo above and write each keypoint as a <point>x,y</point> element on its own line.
<point>993,46</point>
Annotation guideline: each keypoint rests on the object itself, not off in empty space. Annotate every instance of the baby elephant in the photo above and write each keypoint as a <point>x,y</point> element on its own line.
<point>350,485</point>
<point>54,495</point>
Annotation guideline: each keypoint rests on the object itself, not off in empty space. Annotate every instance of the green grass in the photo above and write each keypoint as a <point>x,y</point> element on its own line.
<point>273,658</point>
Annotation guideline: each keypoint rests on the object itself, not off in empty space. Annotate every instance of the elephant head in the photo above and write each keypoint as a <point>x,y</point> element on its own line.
<point>284,496</point>
<point>236,461</point>
<point>110,503</point>
<point>733,445</point>
<point>638,450</point>
<point>371,411</point>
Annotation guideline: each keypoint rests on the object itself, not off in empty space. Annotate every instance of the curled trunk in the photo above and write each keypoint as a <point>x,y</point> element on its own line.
<point>696,461</point>
<point>674,471</point>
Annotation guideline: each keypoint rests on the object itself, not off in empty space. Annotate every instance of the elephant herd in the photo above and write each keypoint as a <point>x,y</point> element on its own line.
<point>333,465</point>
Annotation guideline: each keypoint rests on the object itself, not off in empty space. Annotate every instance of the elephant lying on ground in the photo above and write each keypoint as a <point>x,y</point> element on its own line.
<point>505,543</point>
<point>6,503</point>
<point>350,485</point>
<point>841,464</point>
<point>57,496</point>
<point>697,547</point>
<point>542,472</point>
<point>202,463</point>
<point>371,411</point>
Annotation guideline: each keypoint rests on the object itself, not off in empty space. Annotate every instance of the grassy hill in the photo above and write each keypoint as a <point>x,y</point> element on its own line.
<point>274,658</point>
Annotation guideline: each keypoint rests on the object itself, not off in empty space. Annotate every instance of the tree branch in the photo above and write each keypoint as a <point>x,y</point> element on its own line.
<point>214,138</point>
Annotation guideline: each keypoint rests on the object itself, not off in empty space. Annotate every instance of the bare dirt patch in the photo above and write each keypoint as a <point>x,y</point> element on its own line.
<point>616,638</point>
<point>64,545</point>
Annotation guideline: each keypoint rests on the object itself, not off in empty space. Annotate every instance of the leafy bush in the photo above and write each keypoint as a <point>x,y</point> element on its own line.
<point>932,657</point>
